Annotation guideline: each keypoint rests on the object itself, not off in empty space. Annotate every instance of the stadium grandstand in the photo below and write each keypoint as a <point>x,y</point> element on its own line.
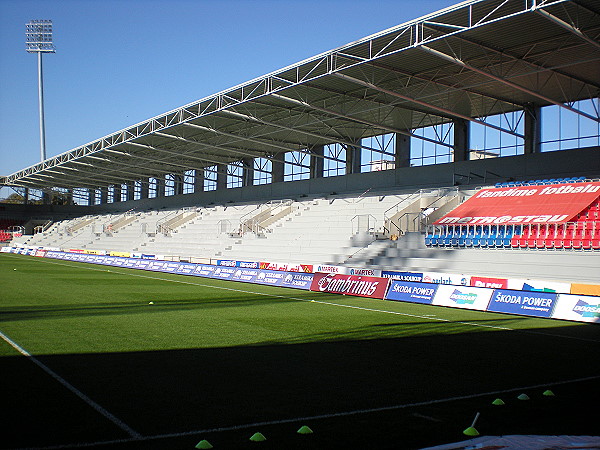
<point>454,143</point>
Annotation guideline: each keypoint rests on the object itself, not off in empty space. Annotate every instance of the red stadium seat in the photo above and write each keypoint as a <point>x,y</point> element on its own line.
<point>576,242</point>
<point>533,235</point>
<point>551,236</point>
<point>569,232</point>
<point>524,236</point>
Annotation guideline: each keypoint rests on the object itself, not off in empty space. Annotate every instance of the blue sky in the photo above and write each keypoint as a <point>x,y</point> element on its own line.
<point>119,62</point>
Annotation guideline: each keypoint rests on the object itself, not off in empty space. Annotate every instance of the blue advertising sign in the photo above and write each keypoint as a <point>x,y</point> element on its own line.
<point>129,262</point>
<point>233,263</point>
<point>245,275</point>
<point>186,268</point>
<point>142,264</point>
<point>203,270</point>
<point>156,266</point>
<point>538,304</point>
<point>270,277</point>
<point>297,280</point>
<point>406,291</point>
<point>170,267</point>
<point>403,276</point>
<point>224,273</point>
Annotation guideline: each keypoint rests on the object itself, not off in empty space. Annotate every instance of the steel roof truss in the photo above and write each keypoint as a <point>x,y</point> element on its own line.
<point>459,62</point>
<point>427,105</point>
<point>358,120</point>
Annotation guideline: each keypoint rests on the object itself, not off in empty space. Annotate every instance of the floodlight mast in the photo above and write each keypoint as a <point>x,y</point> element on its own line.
<point>38,39</point>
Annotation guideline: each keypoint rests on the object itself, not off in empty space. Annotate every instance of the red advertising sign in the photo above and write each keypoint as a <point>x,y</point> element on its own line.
<point>556,203</point>
<point>373,287</point>
<point>486,282</point>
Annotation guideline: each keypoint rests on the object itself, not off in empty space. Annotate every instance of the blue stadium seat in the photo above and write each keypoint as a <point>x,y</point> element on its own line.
<point>499,240</point>
<point>428,239</point>
<point>491,239</point>
<point>469,236</point>
<point>483,237</point>
<point>446,238</point>
<point>508,234</point>
<point>462,237</point>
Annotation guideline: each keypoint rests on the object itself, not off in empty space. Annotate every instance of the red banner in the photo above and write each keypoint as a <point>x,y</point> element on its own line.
<point>556,203</point>
<point>373,287</point>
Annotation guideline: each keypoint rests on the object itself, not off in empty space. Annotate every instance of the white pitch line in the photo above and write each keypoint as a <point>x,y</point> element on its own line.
<point>416,316</point>
<point>315,417</point>
<point>122,425</point>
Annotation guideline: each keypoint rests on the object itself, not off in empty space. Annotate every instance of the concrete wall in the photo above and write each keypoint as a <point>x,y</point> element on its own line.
<point>566,163</point>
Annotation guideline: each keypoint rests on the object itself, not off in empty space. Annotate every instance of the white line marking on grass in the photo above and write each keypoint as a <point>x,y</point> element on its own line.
<point>416,316</point>
<point>122,425</point>
<point>316,417</point>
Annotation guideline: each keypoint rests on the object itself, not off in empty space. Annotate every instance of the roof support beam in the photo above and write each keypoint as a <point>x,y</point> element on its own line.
<point>536,65</point>
<point>325,138</point>
<point>285,149</point>
<point>243,138</point>
<point>203,160</point>
<point>237,151</point>
<point>568,27</point>
<point>357,120</point>
<point>461,63</point>
<point>162,150</point>
<point>425,104</point>
<point>449,86</point>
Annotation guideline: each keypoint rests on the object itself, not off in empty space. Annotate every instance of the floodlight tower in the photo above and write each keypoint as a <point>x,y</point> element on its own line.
<point>38,39</point>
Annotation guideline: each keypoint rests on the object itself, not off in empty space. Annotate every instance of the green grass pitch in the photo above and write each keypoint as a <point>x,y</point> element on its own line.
<point>116,358</point>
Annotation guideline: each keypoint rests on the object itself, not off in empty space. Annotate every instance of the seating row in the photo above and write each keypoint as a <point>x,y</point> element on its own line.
<point>540,182</point>
<point>572,235</point>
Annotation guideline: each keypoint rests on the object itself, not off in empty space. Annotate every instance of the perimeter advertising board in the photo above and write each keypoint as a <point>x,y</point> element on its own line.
<point>487,282</point>
<point>457,279</point>
<point>463,297</point>
<point>286,267</point>
<point>326,268</point>
<point>372,287</point>
<point>539,286</point>
<point>406,291</point>
<point>403,276</point>
<point>234,263</point>
<point>580,308</point>
<point>537,304</point>
<point>585,289</point>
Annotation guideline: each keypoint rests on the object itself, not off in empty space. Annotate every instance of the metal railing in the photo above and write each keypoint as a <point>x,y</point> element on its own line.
<point>268,213</point>
<point>363,222</point>
<point>167,225</point>
<point>121,220</point>
<point>415,220</point>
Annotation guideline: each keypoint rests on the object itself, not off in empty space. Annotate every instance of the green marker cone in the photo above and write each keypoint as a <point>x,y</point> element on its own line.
<point>471,431</point>
<point>304,430</point>
<point>203,444</point>
<point>498,402</point>
<point>523,397</point>
<point>258,437</point>
<point>548,393</point>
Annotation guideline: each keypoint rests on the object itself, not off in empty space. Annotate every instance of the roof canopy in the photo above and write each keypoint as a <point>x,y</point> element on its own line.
<point>469,61</point>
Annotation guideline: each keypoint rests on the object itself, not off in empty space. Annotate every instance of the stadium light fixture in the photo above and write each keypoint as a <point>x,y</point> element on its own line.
<point>38,39</point>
